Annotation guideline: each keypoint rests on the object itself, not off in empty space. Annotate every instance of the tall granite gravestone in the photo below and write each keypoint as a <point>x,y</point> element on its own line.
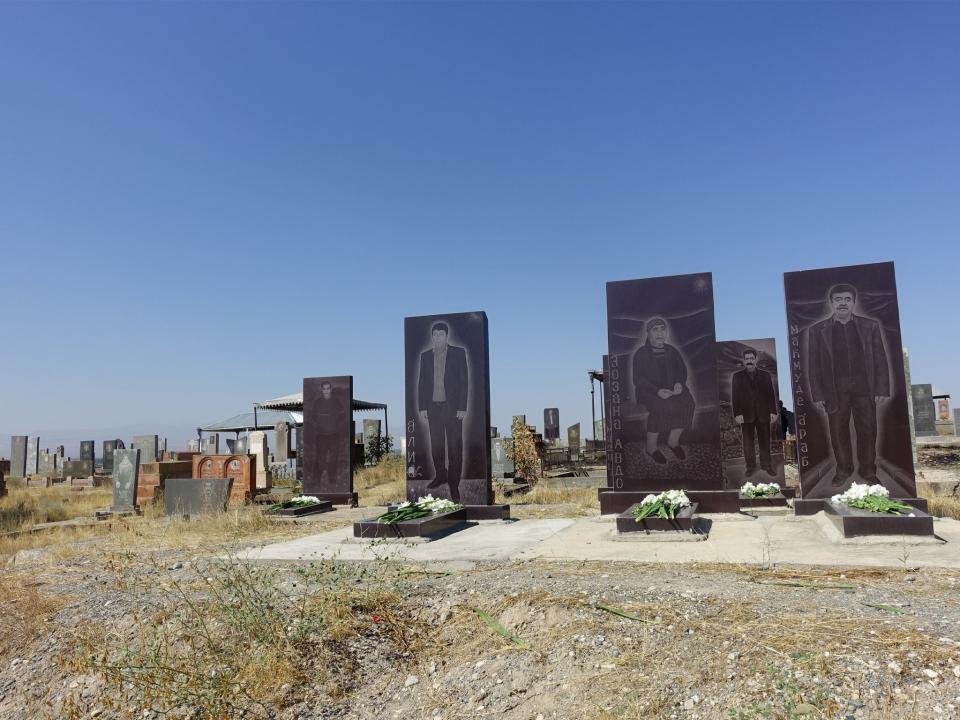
<point>259,448</point>
<point>88,452</point>
<point>371,430</point>
<point>448,414</point>
<point>281,442</point>
<point>46,465</point>
<point>148,447</point>
<point>664,399</point>
<point>500,457</point>
<point>849,390</point>
<point>18,456</point>
<point>211,444</point>
<point>161,448</point>
<point>924,419</point>
<point>126,473</point>
<point>551,423</point>
<point>33,456</point>
<point>189,497</point>
<point>749,412</point>
<point>607,423</point>
<point>231,446</point>
<point>109,449</point>
<point>573,437</point>
<point>956,421</point>
<point>328,438</point>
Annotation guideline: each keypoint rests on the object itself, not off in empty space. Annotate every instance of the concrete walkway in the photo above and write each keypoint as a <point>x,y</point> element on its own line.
<point>783,540</point>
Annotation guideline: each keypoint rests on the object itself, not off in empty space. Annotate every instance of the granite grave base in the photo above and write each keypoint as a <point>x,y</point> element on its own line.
<point>774,501</point>
<point>627,523</point>
<point>812,507</point>
<point>487,512</point>
<point>853,522</point>
<point>322,506</point>
<point>709,501</point>
<point>350,499</point>
<point>419,528</point>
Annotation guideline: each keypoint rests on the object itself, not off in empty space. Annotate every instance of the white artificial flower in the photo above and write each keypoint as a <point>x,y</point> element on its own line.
<point>306,499</point>
<point>748,487</point>
<point>650,499</point>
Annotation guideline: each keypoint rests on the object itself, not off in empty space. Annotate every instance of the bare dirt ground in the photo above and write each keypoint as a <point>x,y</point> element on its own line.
<point>157,621</point>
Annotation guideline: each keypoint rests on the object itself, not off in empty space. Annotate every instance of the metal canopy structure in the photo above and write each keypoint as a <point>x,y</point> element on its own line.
<point>254,421</point>
<point>294,402</point>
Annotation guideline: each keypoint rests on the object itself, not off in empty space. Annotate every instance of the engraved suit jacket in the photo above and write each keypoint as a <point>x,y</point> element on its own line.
<point>876,368</point>
<point>454,378</point>
<point>755,401</point>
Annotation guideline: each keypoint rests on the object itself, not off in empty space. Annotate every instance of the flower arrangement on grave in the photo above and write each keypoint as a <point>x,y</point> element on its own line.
<point>665,505</point>
<point>423,507</point>
<point>875,498</point>
<point>760,490</point>
<point>298,501</point>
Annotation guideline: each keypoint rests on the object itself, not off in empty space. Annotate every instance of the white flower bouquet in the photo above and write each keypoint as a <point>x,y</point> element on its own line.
<point>760,490</point>
<point>875,498</point>
<point>298,501</point>
<point>423,507</point>
<point>665,505</point>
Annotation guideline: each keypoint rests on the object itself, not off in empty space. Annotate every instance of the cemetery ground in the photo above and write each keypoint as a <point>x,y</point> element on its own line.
<point>155,618</point>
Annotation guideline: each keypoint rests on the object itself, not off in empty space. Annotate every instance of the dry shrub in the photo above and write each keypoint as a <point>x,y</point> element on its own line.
<point>24,611</point>
<point>231,639</point>
<point>382,483</point>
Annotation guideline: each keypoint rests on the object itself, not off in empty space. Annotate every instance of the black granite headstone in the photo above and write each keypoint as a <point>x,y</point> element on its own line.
<point>664,403</point>
<point>371,430</point>
<point>750,412</point>
<point>88,451</point>
<point>923,414</point>
<point>551,423</point>
<point>849,390</point>
<point>195,496</point>
<point>448,407</point>
<point>126,474</point>
<point>328,438</point>
<point>78,468</point>
<point>109,448</point>
<point>18,456</point>
<point>573,437</point>
<point>493,432</point>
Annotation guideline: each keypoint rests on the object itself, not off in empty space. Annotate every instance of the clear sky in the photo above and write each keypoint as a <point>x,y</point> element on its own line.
<point>200,204</point>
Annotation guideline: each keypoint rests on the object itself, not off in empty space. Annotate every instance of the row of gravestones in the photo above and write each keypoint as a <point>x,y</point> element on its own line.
<point>27,459</point>
<point>684,411</point>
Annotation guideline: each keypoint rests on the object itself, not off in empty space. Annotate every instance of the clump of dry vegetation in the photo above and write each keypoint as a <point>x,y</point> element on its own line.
<point>563,500</point>
<point>24,612</point>
<point>235,639</point>
<point>22,508</point>
<point>383,483</point>
<point>945,507</point>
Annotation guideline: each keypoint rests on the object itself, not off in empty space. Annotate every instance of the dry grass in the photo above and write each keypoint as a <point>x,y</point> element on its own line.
<point>551,499</point>
<point>945,507</point>
<point>232,639</point>
<point>381,484</point>
<point>21,509</point>
<point>24,612</point>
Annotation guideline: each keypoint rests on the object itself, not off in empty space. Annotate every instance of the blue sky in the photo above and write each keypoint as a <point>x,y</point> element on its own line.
<point>200,204</point>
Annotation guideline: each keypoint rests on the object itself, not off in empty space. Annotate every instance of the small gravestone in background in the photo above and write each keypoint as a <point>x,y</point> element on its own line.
<point>522,419</point>
<point>78,468</point>
<point>193,446</point>
<point>211,444</point>
<point>241,446</point>
<point>126,473</point>
<point>109,448</point>
<point>944,423</point>
<point>194,496</point>
<point>18,456</point>
<point>923,415</point>
<point>281,442</point>
<point>371,431</point>
<point>493,431</point>
<point>598,430</point>
<point>258,447</point>
<point>956,421</point>
<point>551,423</point>
<point>573,437</point>
<point>148,447</point>
<point>500,458</point>
<point>161,448</point>
<point>88,451</point>
<point>33,455</point>
<point>46,465</point>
